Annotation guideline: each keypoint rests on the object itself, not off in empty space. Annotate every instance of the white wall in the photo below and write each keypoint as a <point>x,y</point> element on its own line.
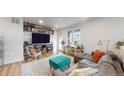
<point>54,40</point>
<point>27,36</point>
<point>13,40</point>
<point>98,29</point>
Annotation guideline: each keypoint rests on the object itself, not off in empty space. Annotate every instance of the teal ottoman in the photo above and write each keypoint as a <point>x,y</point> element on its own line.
<point>59,62</point>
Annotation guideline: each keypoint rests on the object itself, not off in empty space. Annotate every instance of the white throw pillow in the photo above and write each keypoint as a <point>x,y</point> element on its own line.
<point>84,72</point>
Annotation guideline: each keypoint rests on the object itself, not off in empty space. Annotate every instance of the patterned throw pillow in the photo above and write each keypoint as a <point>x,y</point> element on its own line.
<point>84,72</point>
<point>33,51</point>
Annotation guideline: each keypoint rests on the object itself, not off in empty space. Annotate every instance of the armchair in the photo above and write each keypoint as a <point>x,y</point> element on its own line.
<point>32,53</point>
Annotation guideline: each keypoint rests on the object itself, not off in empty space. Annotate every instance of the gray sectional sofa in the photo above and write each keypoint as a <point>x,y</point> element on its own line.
<point>109,65</point>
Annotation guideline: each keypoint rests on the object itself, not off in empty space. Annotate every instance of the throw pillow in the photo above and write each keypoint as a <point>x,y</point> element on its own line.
<point>97,55</point>
<point>33,51</point>
<point>84,72</point>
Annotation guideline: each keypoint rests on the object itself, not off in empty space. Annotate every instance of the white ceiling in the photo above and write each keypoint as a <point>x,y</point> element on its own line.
<point>61,22</point>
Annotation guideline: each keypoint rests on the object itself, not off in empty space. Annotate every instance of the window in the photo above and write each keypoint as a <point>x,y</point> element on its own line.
<point>70,38</point>
<point>76,36</point>
<point>73,37</point>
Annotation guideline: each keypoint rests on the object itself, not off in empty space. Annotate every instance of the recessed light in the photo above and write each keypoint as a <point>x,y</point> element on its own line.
<point>40,21</point>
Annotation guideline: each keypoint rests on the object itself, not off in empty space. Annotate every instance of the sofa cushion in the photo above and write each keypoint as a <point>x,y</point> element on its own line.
<point>118,68</point>
<point>84,63</point>
<point>106,69</point>
<point>88,57</point>
<point>106,58</point>
<point>113,55</point>
<point>116,58</point>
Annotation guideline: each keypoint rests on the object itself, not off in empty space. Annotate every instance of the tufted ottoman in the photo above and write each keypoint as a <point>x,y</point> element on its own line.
<point>60,62</point>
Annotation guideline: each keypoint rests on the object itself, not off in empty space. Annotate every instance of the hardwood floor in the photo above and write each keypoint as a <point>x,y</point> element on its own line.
<point>11,69</point>
<point>15,68</point>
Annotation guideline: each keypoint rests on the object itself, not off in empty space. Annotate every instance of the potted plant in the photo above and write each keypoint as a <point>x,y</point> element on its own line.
<point>79,47</point>
<point>63,44</point>
<point>119,43</point>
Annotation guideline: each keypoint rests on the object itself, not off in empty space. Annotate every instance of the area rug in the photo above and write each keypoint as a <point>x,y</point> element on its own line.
<point>38,68</point>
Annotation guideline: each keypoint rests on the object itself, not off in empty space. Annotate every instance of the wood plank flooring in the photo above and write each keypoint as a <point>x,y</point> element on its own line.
<point>11,69</point>
<point>15,68</point>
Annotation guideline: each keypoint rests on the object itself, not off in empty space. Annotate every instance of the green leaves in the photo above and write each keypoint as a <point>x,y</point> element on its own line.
<point>118,44</point>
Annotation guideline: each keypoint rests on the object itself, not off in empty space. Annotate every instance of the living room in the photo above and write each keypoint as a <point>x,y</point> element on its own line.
<point>56,46</point>
<point>73,37</point>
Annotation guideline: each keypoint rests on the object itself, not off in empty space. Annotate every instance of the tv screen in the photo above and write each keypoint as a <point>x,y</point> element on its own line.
<point>40,38</point>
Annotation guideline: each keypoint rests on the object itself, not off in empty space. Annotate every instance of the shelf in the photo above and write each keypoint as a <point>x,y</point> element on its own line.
<point>29,27</point>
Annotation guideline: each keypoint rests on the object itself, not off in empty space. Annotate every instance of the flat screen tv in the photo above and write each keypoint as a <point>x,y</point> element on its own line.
<point>40,38</point>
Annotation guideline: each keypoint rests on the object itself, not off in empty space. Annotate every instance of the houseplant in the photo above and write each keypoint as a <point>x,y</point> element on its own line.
<point>79,47</point>
<point>63,44</point>
<point>119,43</point>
